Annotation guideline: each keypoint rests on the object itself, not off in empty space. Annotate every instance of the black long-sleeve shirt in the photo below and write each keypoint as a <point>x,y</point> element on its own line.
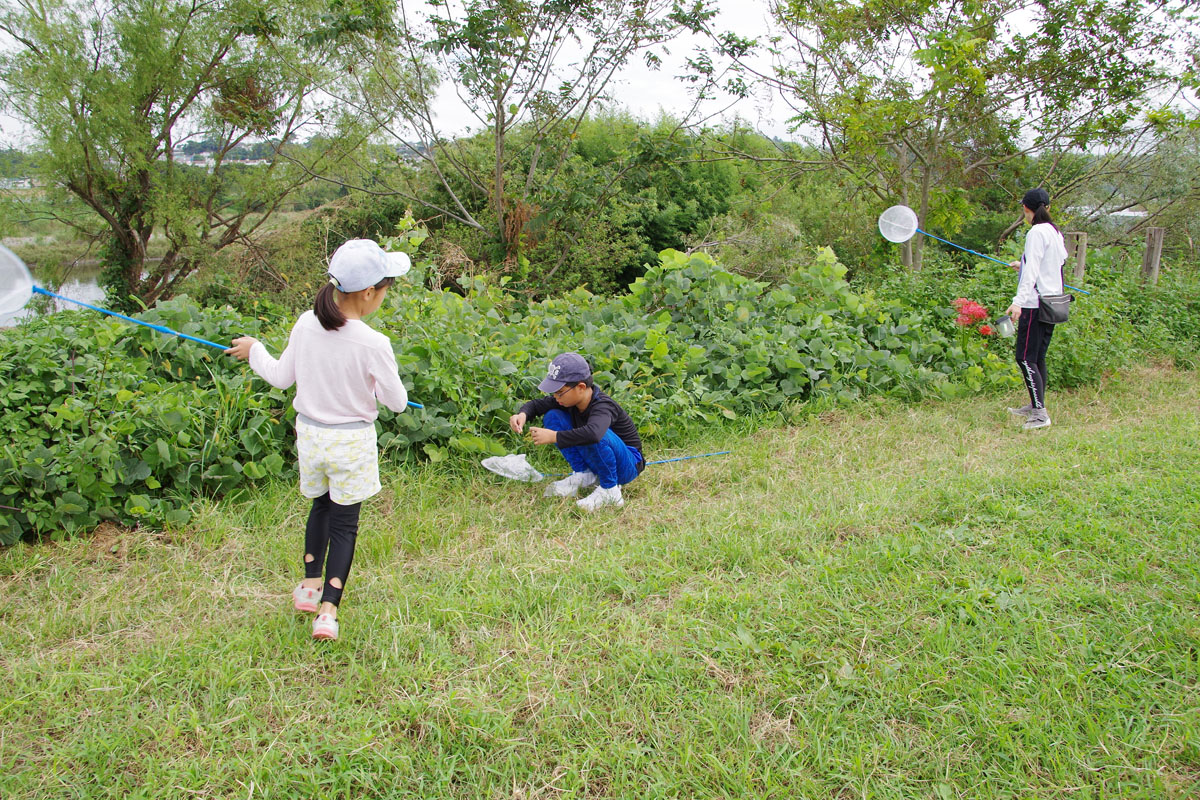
<point>589,425</point>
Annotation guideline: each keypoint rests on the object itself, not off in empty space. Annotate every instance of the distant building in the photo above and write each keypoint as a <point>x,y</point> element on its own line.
<point>413,153</point>
<point>1114,216</point>
<point>207,162</point>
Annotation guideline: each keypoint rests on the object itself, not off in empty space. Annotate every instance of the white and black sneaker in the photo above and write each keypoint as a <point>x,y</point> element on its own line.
<point>1023,411</point>
<point>1038,419</point>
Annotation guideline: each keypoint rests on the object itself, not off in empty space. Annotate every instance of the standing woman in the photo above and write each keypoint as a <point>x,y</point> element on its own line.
<point>1040,274</point>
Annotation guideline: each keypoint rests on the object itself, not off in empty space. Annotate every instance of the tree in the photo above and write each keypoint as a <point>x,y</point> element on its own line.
<point>113,91</point>
<point>530,73</point>
<point>1158,182</point>
<point>914,99</point>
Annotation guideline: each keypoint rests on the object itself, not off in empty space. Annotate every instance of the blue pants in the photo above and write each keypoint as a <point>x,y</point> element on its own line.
<point>613,461</point>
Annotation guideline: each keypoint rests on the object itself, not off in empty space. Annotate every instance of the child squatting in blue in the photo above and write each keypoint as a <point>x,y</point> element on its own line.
<point>594,434</point>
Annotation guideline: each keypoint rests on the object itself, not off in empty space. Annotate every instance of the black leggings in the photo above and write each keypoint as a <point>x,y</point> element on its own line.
<point>1033,340</point>
<point>335,527</point>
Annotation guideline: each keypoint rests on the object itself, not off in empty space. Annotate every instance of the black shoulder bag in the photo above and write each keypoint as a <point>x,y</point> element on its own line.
<point>1054,308</point>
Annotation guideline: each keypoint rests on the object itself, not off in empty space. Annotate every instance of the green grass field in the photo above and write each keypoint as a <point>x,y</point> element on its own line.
<point>886,601</point>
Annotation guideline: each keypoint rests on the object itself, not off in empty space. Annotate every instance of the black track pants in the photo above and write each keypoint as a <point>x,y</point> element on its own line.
<point>1033,340</point>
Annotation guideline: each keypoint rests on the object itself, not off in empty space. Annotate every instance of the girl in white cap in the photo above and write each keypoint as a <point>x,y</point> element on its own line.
<point>341,368</point>
<point>1041,274</point>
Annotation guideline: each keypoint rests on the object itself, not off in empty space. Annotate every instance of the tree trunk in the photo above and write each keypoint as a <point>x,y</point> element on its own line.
<point>498,176</point>
<point>120,271</point>
<point>922,215</point>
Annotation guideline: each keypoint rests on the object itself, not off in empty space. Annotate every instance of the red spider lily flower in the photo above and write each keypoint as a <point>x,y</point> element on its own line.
<point>969,312</point>
<point>986,330</point>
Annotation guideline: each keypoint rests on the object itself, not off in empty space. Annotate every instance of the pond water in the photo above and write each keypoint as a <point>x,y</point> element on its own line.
<point>81,284</point>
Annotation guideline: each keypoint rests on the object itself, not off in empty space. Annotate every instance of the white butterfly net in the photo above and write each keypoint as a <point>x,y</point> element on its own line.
<point>16,284</point>
<point>513,466</point>
<point>898,224</point>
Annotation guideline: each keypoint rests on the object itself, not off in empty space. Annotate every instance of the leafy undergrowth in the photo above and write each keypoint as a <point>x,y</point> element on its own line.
<point>883,601</point>
<point>108,422</point>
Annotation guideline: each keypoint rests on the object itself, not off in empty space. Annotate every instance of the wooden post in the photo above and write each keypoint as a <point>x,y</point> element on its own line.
<point>1153,254</point>
<point>1077,249</point>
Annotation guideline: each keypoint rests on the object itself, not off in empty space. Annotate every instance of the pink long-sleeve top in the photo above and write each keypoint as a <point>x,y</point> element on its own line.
<point>339,375</point>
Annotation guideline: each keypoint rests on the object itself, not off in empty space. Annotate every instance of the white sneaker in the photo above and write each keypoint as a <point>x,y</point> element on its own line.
<point>325,627</point>
<point>304,599</point>
<point>1023,411</point>
<point>570,485</point>
<point>602,497</point>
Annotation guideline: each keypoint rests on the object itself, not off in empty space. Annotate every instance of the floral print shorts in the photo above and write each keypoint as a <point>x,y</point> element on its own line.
<point>344,463</point>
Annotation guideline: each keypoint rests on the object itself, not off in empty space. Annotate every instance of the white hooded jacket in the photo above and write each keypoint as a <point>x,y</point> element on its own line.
<point>1041,265</point>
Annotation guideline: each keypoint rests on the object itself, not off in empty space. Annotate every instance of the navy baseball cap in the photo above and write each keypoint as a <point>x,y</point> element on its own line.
<point>567,368</point>
<point>1034,198</point>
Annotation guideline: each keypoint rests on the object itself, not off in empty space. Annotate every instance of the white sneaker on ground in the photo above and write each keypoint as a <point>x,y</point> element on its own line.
<point>1038,419</point>
<point>1023,411</point>
<point>305,599</point>
<point>602,497</point>
<point>570,485</point>
<point>325,627</point>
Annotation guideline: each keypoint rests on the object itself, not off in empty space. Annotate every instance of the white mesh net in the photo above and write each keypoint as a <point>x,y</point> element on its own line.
<point>513,466</point>
<point>16,284</point>
<point>898,224</point>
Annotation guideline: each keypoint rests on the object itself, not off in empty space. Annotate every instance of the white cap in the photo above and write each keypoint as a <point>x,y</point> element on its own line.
<point>360,263</point>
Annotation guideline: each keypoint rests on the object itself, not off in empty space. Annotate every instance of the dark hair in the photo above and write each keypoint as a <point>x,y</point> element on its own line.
<point>326,308</point>
<point>1037,200</point>
<point>1042,214</point>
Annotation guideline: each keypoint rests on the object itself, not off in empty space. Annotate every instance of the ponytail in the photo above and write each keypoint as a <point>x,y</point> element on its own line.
<point>1042,214</point>
<point>326,308</point>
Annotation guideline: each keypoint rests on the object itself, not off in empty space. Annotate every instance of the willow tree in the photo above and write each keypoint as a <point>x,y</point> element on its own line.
<point>111,90</point>
<point>914,99</point>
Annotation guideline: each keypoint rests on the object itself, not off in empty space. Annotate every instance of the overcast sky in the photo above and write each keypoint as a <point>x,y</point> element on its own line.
<point>647,93</point>
<point>644,92</point>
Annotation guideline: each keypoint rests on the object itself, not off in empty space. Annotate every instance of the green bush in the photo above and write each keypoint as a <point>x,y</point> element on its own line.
<point>109,421</point>
<point>689,343</point>
<point>1120,322</point>
<point>1176,316</point>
